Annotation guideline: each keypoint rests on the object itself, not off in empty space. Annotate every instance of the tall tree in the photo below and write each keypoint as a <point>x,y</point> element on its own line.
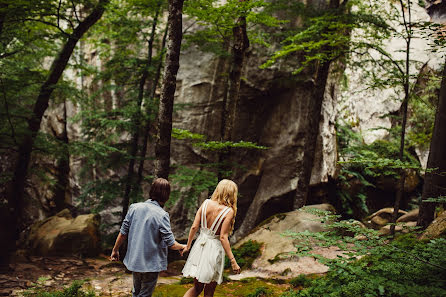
<point>137,118</point>
<point>407,21</point>
<point>435,177</point>
<point>17,185</point>
<point>175,35</point>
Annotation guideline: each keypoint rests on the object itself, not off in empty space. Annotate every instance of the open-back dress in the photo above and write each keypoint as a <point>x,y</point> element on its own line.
<point>206,258</point>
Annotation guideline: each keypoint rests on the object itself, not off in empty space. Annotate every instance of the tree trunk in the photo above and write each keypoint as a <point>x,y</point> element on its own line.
<point>232,97</point>
<point>400,190</point>
<point>239,48</point>
<point>146,130</point>
<point>175,34</point>
<point>63,169</point>
<point>17,185</point>
<point>310,134</point>
<point>435,181</point>
<point>130,182</point>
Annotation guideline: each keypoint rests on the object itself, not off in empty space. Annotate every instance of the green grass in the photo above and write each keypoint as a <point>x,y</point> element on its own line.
<point>251,287</point>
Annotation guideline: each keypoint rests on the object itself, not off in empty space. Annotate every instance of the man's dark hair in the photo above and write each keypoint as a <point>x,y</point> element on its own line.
<point>160,190</point>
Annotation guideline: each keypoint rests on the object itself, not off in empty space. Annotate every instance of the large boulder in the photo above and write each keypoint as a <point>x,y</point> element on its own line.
<point>275,255</point>
<point>437,228</point>
<point>64,235</point>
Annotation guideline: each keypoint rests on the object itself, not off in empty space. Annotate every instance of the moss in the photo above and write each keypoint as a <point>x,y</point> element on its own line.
<point>242,288</point>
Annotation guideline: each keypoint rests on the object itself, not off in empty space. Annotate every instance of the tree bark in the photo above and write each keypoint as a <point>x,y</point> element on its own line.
<point>435,181</point>
<point>63,169</point>
<point>406,84</point>
<point>232,97</point>
<point>175,34</point>
<point>130,182</point>
<point>18,182</point>
<point>239,48</point>
<point>310,134</point>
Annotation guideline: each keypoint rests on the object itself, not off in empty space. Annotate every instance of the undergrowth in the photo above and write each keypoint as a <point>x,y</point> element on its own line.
<point>75,290</point>
<point>374,265</point>
<point>245,254</point>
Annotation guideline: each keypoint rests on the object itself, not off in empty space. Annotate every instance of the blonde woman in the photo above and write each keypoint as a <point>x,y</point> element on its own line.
<point>216,216</point>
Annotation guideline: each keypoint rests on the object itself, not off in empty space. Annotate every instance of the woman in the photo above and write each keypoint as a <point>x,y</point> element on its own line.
<point>206,259</point>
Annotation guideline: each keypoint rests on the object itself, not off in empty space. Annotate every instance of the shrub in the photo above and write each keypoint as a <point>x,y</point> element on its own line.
<point>375,266</point>
<point>300,281</point>
<point>245,254</point>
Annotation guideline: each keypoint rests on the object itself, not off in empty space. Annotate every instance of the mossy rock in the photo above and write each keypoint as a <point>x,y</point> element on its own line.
<point>63,235</point>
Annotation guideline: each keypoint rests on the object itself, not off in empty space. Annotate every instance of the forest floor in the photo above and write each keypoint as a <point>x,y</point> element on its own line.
<point>107,278</point>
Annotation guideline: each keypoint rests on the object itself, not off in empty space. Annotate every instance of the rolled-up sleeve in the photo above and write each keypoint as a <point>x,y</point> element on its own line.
<point>126,223</point>
<point>166,231</point>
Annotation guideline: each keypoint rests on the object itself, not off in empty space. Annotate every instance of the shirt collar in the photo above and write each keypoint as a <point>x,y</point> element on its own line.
<point>153,202</point>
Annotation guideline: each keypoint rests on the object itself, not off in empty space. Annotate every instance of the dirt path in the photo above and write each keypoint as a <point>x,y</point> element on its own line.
<point>105,277</point>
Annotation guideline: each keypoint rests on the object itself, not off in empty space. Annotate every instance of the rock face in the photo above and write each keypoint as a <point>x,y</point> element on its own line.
<point>65,236</point>
<point>275,257</point>
<point>270,113</point>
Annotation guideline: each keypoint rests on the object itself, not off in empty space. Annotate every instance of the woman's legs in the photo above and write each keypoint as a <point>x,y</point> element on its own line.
<point>209,289</point>
<point>195,290</point>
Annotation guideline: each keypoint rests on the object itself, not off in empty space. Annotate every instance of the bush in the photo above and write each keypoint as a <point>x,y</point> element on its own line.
<point>300,281</point>
<point>245,254</point>
<point>405,267</point>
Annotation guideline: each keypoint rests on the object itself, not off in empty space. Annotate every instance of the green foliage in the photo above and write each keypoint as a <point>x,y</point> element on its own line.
<point>260,292</point>
<point>364,163</point>
<point>75,290</point>
<point>245,254</point>
<point>191,183</point>
<point>201,142</point>
<point>422,109</point>
<point>373,266</point>
<point>300,281</point>
<point>217,19</point>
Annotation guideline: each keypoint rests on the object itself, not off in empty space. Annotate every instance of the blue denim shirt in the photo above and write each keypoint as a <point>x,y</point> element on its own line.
<point>149,235</point>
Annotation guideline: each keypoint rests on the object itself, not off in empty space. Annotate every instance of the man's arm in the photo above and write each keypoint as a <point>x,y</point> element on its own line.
<point>167,236</point>
<point>119,241</point>
<point>122,236</point>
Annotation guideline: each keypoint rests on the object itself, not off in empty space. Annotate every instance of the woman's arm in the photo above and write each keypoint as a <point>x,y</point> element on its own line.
<point>224,233</point>
<point>194,228</point>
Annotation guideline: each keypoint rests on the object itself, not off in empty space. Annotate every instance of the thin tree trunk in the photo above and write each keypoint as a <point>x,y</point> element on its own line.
<point>175,34</point>
<point>63,169</point>
<point>137,120</point>
<point>400,190</point>
<point>239,48</point>
<point>148,123</point>
<point>310,134</point>
<point>435,181</point>
<point>18,182</point>
<point>232,97</point>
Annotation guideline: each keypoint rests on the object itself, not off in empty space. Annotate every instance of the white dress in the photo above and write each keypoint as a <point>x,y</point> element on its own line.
<point>207,256</point>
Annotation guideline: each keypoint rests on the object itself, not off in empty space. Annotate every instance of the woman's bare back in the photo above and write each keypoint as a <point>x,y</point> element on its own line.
<point>212,210</point>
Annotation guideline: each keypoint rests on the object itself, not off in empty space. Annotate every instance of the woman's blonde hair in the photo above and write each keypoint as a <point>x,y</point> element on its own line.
<point>226,194</point>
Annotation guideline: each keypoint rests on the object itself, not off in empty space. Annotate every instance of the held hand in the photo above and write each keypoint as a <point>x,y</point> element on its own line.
<point>235,268</point>
<point>114,255</point>
<point>183,250</point>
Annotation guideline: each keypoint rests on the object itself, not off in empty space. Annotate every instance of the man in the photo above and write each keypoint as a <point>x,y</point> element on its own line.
<point>147,228</point>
